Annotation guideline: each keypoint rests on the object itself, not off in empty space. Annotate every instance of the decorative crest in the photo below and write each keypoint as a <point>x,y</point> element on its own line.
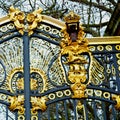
<point>33,20</point>
<point>71,17</point>
<point>18,18</point>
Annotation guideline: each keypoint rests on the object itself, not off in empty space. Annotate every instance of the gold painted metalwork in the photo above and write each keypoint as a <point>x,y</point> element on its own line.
<point>67,92</point>
<point>20,82</point>
<point>75,59</point>
<point>33,84</point>
<point>109,47</point>
<point>106,95</point>
<point>33,20</point>
<point>117,47</point>
<point>51,96</point>
<point>38,103</point>
<point>96,72</point>
<point>100,48</point>
<point>44,77</point>
<point>74,50</point>
<point>71,18</point>
<point>9,78</point>
<point>119,69</point>
<point>92,48</point>
<point>118,55</point>
<point>98,93</point>
<point>118,62</point>
<point>18,18</point>
<point>21,117</point>
<point>89,92</point>
<point>17,103</point>
<point>117,99</point>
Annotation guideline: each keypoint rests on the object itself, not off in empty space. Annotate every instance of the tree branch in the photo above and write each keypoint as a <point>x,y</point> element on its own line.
<point>91,31</point>
<point>96,25</point>
<point>93,4</point>
<point>113,2</point>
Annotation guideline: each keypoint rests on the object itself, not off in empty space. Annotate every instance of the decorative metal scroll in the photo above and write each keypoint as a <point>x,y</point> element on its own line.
<point>70,76</point>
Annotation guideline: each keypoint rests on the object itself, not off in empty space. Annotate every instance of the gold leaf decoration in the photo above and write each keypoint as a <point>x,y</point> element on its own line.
<point>17,103</point>
<point>33,20</point>
<point>38,103</point>
<point>18,18</point>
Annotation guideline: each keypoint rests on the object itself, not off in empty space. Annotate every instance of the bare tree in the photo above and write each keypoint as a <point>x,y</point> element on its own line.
<point>95,14</point>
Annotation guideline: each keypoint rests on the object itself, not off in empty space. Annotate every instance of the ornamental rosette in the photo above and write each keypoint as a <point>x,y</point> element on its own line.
<point>18,18</point>
<point>31,17</point>
<point>33,20</point>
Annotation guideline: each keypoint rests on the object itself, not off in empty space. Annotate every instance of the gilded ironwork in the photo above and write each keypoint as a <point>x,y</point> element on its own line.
<point>116,98</point>
<point>17,103</point>
<point>33,20</point>
<point>14,79</point>
<point>20,84</point>
<point>18,18</point>
<point>38,103</point>
<point>75,58</point>
<point>85,68</point>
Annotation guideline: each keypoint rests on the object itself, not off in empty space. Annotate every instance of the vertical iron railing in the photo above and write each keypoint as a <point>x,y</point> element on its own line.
<point>26,59</point>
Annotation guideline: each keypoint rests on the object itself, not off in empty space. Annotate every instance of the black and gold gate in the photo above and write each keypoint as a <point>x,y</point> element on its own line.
<point>49,71</point>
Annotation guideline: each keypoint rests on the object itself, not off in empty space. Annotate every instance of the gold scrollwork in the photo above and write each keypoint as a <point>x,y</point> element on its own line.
<point>33,20</point>
<point>74,45</point>
<point>16,103</point>
<point>38,103</point>
<point>10,76</point>
<point>117,99</point>
<point>33,85</point>
<point>20,82</point>
<point>18,18</point>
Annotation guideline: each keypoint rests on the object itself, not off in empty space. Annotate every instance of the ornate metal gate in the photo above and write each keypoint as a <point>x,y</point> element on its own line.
<point>49,71</point>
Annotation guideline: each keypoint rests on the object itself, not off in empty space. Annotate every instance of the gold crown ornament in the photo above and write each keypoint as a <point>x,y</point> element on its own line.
<point>71,17</point>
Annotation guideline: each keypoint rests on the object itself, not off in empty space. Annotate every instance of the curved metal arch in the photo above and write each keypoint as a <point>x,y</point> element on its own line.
<point>44,38</point>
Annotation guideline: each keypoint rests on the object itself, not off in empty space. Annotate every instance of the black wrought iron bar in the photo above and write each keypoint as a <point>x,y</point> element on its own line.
<point>45,38</point>
<point>10,37</point>
<point>26,75</point>
<point>65,107</point>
